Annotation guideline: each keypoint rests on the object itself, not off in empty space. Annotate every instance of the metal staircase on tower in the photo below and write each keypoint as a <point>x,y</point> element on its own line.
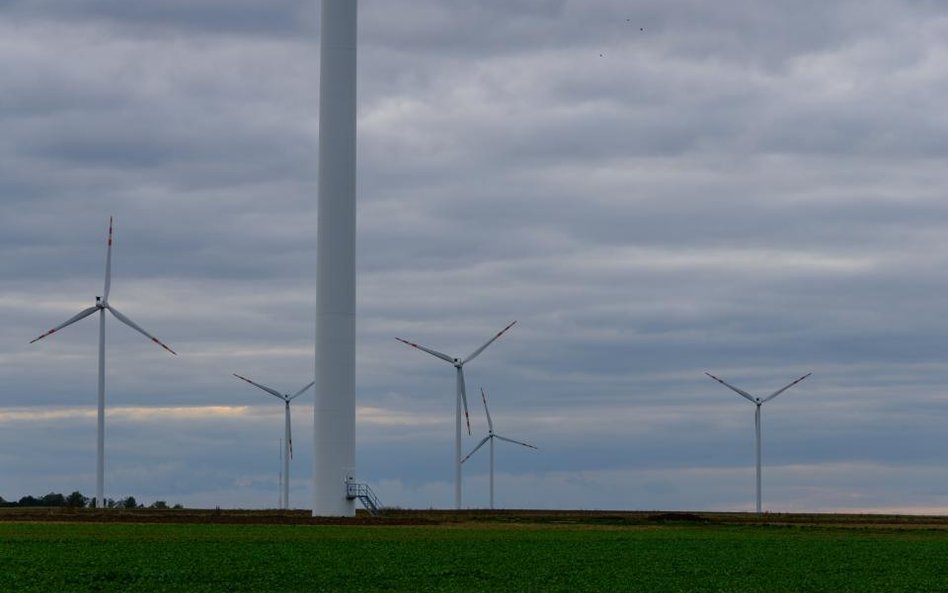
<point>365,495</point>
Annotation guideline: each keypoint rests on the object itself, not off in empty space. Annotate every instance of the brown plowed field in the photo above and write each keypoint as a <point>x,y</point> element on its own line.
<point>549,518</point>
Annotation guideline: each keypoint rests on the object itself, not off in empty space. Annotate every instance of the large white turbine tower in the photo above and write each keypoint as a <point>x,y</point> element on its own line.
<point>102,305</point>
<point>757,401</point>
<point>491,435</point>
<point>334,412</point>
<point>287,431</point>
<point>461,400</point>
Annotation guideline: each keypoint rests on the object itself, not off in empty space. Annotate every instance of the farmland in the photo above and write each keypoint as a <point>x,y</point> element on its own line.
<point>471,551</point>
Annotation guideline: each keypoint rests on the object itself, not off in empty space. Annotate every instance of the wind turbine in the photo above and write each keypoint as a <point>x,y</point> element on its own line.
<point>102,305</point>
<point>757,401</point>
<point>461,400</point>
<point>491,435</point>
<point>287,432</point>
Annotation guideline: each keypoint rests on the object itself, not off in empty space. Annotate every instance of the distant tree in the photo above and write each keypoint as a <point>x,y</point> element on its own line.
<point>110,503</point>
<point>159,504</point>
<point>76,500</point>
<point>53,499</point>
<point>178,507</point>
<point>28,501</point>
<point>128,503</point>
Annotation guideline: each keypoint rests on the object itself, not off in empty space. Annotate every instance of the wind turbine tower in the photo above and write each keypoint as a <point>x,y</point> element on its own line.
<point>334,412</point>
<point>757,401</point>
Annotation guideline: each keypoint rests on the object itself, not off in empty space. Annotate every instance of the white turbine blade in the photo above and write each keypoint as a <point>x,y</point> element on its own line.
<point>515,442</point>
<point>132,325</point>
<point>70,321</point>
<point>440,355</point>
<point>108,265</point>
<point>264,387</point>
<point>740,392</point>
<point>462,390</point>
<point>289,428</point>
<point>301,391</point>
<point>781,390</point>
<point>474,450</point>
<point>474,354</point>
<point>490,424</point>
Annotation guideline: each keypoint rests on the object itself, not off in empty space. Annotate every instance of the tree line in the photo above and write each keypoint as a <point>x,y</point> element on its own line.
<point>78,500</point>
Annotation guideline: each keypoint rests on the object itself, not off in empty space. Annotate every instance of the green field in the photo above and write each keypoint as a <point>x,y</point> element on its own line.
<point>601,554</point>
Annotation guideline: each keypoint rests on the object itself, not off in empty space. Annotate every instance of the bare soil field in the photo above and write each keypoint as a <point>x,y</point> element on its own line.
<point>480,517</point>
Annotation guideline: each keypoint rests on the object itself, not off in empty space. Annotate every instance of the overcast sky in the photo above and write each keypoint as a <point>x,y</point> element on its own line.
<point>652,189</point>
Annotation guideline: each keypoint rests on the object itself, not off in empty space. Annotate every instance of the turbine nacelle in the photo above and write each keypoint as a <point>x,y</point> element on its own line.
<point>100,303</point>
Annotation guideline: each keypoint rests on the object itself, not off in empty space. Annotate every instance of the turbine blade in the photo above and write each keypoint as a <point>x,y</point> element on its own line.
<point>289,428</point>
<point>781,390</point>
<point>474,450</point>
<point>440,355</point>
<point>474,354</point>
<point>740,392</point>
<point>70,321</point>
<point>134,326</point>
<point>515,442</point>
<point>273,392</point>
<point>108,265</point>
<point>462,391</point>
<point>301,391</point>
<point>490,424</point>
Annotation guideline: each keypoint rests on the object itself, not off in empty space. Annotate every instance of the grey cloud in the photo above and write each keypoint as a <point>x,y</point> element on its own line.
<point>209,16</point>
<point>752,190</point>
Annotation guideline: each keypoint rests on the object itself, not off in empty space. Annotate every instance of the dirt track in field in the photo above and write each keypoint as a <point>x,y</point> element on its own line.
<point>561,518</point>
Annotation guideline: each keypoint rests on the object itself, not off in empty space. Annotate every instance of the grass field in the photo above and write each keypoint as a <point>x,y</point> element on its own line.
<point>474,552</point>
